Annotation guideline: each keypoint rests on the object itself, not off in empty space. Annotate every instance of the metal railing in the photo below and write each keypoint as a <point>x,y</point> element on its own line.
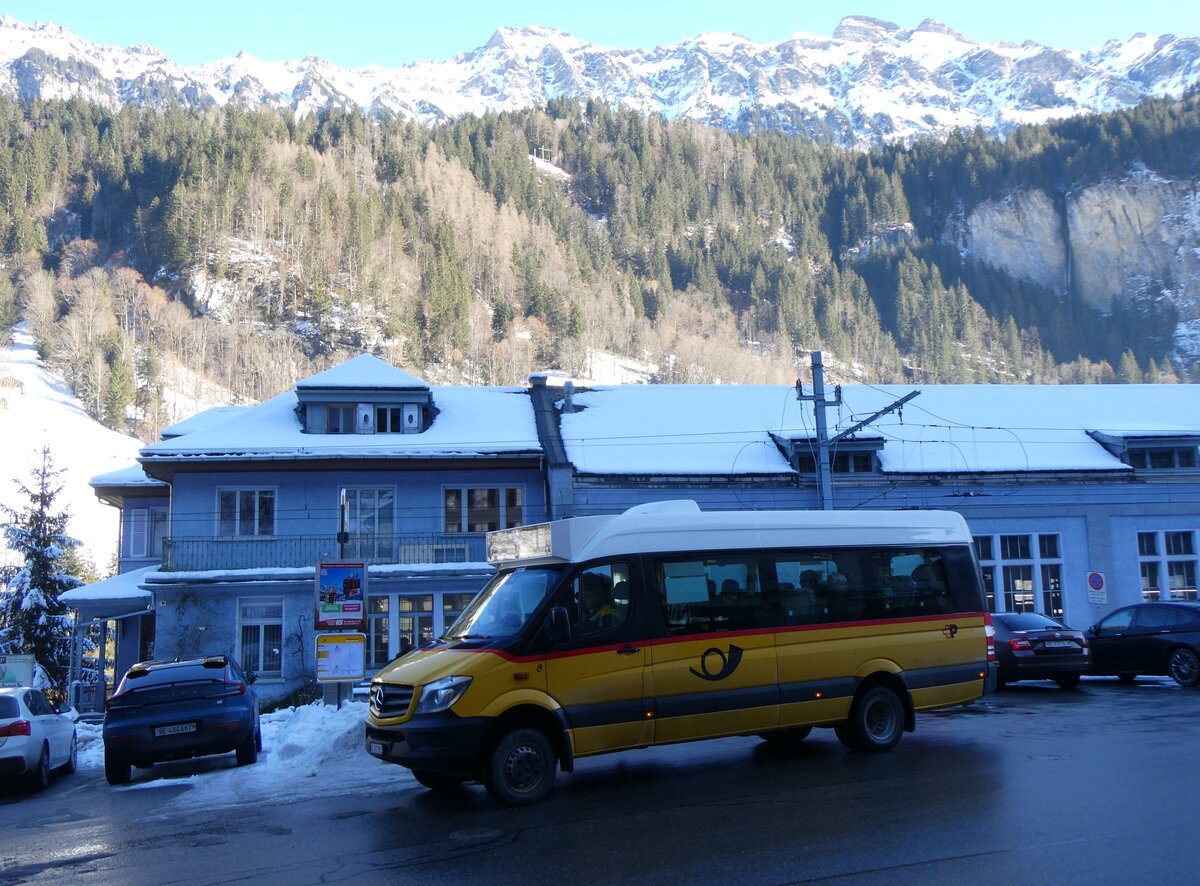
<point>259,552</point>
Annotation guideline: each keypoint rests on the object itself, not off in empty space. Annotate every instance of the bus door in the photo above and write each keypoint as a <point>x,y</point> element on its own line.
<point>597,675</point>
<point>714,672</point>
<point>815,674</point>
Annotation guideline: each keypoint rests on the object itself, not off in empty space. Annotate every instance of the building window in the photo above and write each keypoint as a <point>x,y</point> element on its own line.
<point>1030,570</point>
<point>147,529</point>
<point>377,632</point>
<point>260,627</point>
<point>339,419</point>
<point>389,420</point>
<point>482,509</point>
<point>371,513</point>
<point>245,512</point>
<point>1170,555</point>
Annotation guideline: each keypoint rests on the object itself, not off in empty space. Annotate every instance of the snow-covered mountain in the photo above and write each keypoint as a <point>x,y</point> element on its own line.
<point>872,81</point>
<point>38,409</point>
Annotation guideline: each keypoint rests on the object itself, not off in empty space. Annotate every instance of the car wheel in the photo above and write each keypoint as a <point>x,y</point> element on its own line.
<point>73,758</point>
<point>40,777</point>
<point>1067,681</point>
<point>786,738</point>
<point>520,767</point>
<point>876,721</point>
<point>116,769</point>
<point>438,781</point>
<point>1184,667</point>
<point>247,751</point>
<point>258,739</point>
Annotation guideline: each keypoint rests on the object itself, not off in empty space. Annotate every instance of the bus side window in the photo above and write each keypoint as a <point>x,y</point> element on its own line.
<point>600,599</point>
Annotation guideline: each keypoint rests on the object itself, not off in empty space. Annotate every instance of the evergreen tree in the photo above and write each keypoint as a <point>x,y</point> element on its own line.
<point>33,620</point>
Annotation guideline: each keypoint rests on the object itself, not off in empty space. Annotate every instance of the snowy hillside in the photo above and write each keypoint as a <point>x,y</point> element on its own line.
<point>871,82</point>
<point>36,409</point>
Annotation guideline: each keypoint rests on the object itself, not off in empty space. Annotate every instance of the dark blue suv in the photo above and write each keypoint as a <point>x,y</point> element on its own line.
<point>173,710</point>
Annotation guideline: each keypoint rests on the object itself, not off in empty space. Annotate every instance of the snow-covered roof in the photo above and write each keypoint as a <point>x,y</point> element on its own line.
<point>132,476</point>
<point>119,594</point>
<point>201,421</point>
<point>364,371</point>
<point>472,422</point>
<point>716,429</point>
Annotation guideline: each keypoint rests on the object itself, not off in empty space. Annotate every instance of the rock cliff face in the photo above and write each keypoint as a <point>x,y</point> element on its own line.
<point>1112,240</point>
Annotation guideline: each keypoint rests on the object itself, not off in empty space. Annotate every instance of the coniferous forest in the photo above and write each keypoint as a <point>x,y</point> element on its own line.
<point>253,248</point>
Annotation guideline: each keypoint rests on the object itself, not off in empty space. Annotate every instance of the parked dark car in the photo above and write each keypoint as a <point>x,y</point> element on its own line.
<point>1032,646</point>
<point>172,710</point>
<point>1149,638</point>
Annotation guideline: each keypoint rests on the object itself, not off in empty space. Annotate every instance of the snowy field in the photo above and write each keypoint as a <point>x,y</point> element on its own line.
<point>308,752</point>
<point>38,409</point>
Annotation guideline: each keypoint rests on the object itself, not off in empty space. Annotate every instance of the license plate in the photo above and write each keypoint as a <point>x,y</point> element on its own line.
<point>1058,644</point>
<point>376,748</point>
<point>177,729</point>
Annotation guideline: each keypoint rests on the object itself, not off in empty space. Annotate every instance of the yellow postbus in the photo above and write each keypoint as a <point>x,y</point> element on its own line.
<point>668,624</point>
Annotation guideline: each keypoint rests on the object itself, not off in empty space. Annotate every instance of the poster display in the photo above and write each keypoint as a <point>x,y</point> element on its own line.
<point>341,595</point>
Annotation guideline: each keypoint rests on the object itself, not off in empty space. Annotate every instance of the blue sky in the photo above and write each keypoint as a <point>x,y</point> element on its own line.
<point>394,32</point>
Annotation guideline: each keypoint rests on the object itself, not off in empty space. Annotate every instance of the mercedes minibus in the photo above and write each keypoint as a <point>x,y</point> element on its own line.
<point>667,624</point>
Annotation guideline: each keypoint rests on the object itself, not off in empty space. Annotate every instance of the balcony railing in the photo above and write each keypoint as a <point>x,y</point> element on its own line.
<point>259,552</point>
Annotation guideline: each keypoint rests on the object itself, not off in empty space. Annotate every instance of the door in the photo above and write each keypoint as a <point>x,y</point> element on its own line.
<point>1114,643</point>
<point>715,673</point>
<point>597,675</point>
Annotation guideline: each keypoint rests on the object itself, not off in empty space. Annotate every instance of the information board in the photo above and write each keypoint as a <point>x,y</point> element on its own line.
<point>16,670</point>
<point>341,657</point>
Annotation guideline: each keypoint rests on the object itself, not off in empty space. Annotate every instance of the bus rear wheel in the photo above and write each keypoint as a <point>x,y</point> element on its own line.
<point>519,769</point>
<point>876,721</point>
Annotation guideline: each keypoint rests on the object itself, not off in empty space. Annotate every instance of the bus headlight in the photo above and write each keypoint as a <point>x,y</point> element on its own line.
<point>441,694</point>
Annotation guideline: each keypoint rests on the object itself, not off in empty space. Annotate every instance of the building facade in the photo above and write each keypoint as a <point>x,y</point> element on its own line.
<point>228,516</point>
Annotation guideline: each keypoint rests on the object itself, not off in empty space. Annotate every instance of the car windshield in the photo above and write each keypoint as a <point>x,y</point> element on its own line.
<point>503,608</point>
<point>1028,621</point>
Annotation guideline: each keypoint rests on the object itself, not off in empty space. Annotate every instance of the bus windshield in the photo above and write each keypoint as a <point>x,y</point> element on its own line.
<point>503,608</point>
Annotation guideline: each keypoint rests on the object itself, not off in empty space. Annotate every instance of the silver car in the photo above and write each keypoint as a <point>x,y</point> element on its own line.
<point>34,737</point>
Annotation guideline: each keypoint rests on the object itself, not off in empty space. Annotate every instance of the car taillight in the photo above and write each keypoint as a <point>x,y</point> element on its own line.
<point>990,633</point>
<point>235,688</point>
<point>17,727</point>
<point>1019,644</point>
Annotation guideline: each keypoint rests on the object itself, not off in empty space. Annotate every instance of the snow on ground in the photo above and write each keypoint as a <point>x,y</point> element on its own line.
<point>308,752</point>
<point>37,408</point>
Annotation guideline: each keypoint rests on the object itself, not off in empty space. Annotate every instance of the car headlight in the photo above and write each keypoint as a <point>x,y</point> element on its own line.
<point>441,694</point>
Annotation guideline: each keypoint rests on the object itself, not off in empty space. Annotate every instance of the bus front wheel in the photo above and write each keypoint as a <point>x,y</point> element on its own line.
<point>519,769</point>
<point>876,721</point>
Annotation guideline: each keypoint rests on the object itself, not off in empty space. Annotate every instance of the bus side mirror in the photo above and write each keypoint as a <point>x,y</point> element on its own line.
<point>558,626</point>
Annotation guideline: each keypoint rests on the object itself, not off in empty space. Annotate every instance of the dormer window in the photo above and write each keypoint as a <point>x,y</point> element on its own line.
<point>1161,458</point>
<point>1157,452</point>
<point>839,463</point>
<point>364,396</point>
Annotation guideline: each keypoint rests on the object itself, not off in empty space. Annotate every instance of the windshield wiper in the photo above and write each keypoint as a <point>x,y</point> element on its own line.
<point>470,637</point>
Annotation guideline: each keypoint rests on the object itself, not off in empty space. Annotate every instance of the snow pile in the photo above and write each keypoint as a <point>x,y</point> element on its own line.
<point>313,750</point>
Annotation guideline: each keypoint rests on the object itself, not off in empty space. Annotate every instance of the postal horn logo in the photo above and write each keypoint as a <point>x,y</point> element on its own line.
<point>716,664</point>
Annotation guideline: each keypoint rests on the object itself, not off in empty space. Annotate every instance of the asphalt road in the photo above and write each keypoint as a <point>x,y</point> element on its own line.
<point>1032,785</point>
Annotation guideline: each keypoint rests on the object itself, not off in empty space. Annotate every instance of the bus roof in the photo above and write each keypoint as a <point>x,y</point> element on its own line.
<point>667,526</point>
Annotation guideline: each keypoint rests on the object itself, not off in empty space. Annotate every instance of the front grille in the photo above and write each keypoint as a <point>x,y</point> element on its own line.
<point>390,700</point>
